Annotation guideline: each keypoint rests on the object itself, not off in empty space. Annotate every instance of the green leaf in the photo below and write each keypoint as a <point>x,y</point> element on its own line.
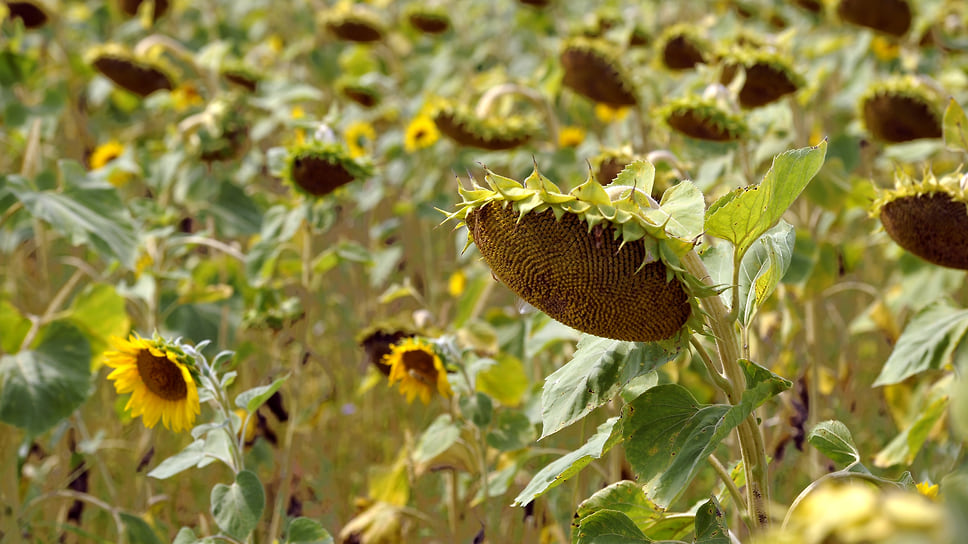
<point>833,439</point>
<point>505,380</point>
<point>138,530</point>
<point>596,373</point>
<point>185,536</point>
<point>440,435</point>
<point>46,384</point>
<point>14,327</point>
<point>252,399</point>
<point>763,267</point>
<point>470,299</point>
<point>608,527</point>
<point>639,174</point>
<point>742,216</point>
<point>569,464</point>
<point>711,524</point>
<point>99,312</point>
<point>685,204</point>
<point>237,508</point>
<point>384,263</point>
<point>85,211</point>
<point>761,384</point>
<point>477,409</point>
<point>512,431</point>
<point>928,343</point>
<point>307,531</point>
<point>191,456</point>
<point>906,445</point>
<point>626,497</point>
<point>955,125</point>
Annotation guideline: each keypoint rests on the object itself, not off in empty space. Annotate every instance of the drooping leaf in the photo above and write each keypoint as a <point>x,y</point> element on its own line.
<point>745,214</point>
<point>834,440</point>
<point>45,384</point>
<point>763,267</point>
<point>187,458</point>
<point>711,524</point>
<point>237,508</point>
<point>440,435</point>
<point>955,127</point>
<point>569,464</point>
<point>307,531</point>
<point>930,341</point>
<point>252,399</point>
<point>608,527</point>
<point>138,530</point>
<point>596,373</point>
<point>906,445</point>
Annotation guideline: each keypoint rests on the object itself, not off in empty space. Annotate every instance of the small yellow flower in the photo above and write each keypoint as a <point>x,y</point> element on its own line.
<point>250,428</point>
<point>418,368</point>
<point>421,132</point>
<point>456,283</point>
<point>928,490</point>
<point>185,96</point>
<point>885,49</point>
<point>298,113</point>
<point>571,136</point>
<point>158,376</point>
<point>609,114</point>
<point>105,153</point>
<point>358,136</point>
<point>275,43</point>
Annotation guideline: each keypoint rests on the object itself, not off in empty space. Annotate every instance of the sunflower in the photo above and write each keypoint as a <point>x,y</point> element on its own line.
<point>358,136</point>
<point>610,114</point>
<point>105,153</point>
<point>571,136</point>
<point>421,132</point>
<point>418,368</point>
<point>159,377</point>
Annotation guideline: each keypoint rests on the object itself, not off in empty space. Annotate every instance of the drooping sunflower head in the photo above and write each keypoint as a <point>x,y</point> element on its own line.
<point>226,137</point>
<point>428,19</point>
<point>703,119</point>
<point>364,95</point>
<point>682,47</point>
<point>418,368</point>
<point>600,260</point>
<point>492,133</point>
<point>140,76</point>
<point>241,75</point>
<point>131,7</point>
<point>888,16</point>
<point>928,217</point>
<point>901,109</point>
<point>769,75</point>
<point>353,22</point>
<point>592,70</point>
<point>160,377</point>
<point>31,13</point>
<point>316,169</point>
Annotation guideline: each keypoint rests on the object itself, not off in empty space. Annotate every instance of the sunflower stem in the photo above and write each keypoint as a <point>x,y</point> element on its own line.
<point>734,491</point>
<point>84,497</point>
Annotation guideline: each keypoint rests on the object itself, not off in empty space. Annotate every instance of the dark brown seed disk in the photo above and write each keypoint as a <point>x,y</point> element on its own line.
<point>29,12</point>
<point>899,118</point>
<point>378,344</point>
<point>355,31</point>
<point>580,277</point>
<point>229,147</point>
<point>931,226</point>
<point>141,79</point>
<point>764,84</point>
<point>591,75</point>
<point>361,97</point>
<point>888,16</point>
<point>694,125</point>
<point>318,176</point>
<point>130,7</point>
<point>610,168</point>
<point>457,131</point>
<point>810,5</point>
<point>536,3</point>
<point>680,53</point>
<point>242,80</point>
<point>428,23</point>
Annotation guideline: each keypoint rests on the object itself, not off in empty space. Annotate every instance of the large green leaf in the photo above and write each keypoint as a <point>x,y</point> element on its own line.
<point>929,342</point>
<point>505,380</point>
<point>252,399</point>
<point>138,530</point>
<point>763,267</point>
<point>14,327</point>
<point>189,457</point>
<point>237,508</point>
<point>955,126</point>
<point>44,385</point>
<point>711,524</point>
<point>834,440</point>
<point>512,430</point>
<point>745,214</point>
<point>906,445</point>
<point>626,497</point>
<point>668,434</point>
<point>440,435</point>
<point>83,210</point>
<point>569,464</point>
<point>307,531</point>
<point>597,372</point>
<point>608,527</point>
<point>99,312</point>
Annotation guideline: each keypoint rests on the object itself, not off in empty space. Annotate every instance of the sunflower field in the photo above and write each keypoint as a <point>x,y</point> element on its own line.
<point>509,271</point>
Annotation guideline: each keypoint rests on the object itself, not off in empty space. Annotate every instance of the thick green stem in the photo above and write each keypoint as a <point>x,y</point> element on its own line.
<point>750,439</point>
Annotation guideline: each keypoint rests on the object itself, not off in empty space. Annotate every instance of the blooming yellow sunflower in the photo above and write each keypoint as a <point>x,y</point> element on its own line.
<point>421,132</point>
<point>418,368</point>
<point>571,136</point>
<point>105,153</point>
<point>159,377</point>
<point>609,114</point>
<point>358,137</point>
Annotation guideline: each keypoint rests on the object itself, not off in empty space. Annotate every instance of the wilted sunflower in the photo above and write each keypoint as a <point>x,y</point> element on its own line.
<point>418,368</point>
<point>240,74</point>
<point>131,7</point>
<point>888,16</point>
<point>428,19</point>
<point>32,14</point>
<point>901,109</point>
<point>592,69</point>
<point>682,47</point>
<point>492,133</point>
<point>354,23</point>
<point>364,95</point>
<point>769,76</point>
<point>158,375</point>
<point>703,119</point>
<point>317,169</point>
<point>140,76</point>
